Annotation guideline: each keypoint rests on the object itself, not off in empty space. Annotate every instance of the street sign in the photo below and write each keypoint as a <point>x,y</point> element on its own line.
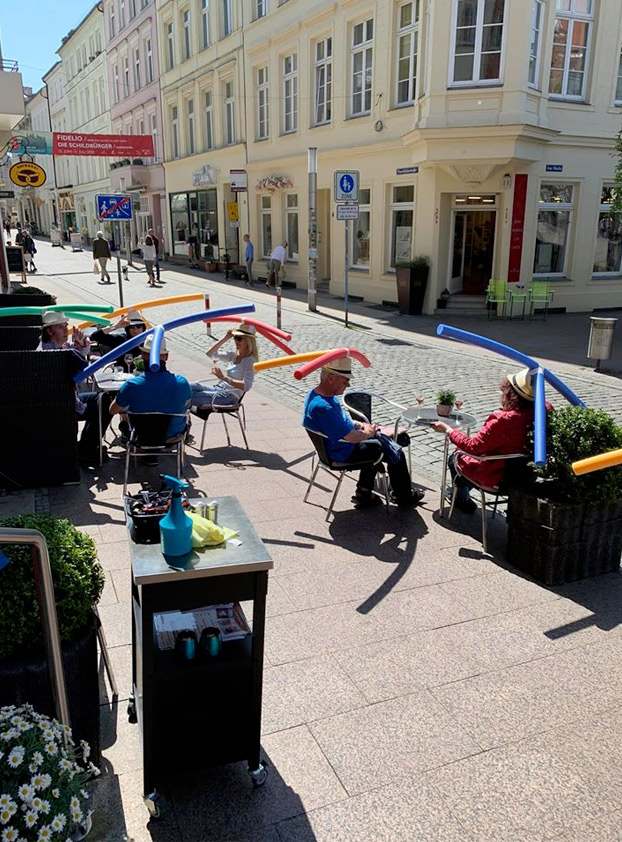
<point>346,185</point>
<point>406,170</point>
<point>113,207</point>
<point>554,167</point>
<point>348,212</point>
<point>7,194</point>
<point>232,211</point>
<point>237,181</point>
<point>26,174</point>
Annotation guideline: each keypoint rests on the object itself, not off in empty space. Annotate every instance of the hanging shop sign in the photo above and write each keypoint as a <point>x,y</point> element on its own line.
<point>106,145</point>
<point>238,181</point>
<point>26,174</point>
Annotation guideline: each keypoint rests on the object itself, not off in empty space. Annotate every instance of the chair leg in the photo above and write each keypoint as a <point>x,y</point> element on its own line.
<point>242,430</point>
<point>222,415</point>
<point>484,521</point>
<point>496,503</point>
<point>454,492</point>
<point>203,435</point>
<point>105,654</point>
<point>311,481</point>
<point>127,469</point>
<point>385,486</point>
<point>334,497</point>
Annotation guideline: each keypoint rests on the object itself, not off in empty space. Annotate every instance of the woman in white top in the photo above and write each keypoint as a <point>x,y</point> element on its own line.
<point>149,256</point>
<point>239,373</point>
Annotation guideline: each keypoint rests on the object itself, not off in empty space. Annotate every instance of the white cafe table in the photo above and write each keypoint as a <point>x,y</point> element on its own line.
<point>419,417</point>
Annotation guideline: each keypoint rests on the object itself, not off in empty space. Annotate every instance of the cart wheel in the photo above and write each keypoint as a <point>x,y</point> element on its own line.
<point>131,711</point>
<point>259,775</point>
<point>156,805</point>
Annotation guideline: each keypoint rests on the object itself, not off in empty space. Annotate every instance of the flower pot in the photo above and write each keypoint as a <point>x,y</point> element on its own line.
<point>411,287</point>
<point>443,410</point>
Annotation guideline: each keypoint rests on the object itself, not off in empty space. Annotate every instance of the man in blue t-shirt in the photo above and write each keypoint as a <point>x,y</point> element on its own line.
<point>155,391</point>
<point>249,256</point>
<point>354,441</point>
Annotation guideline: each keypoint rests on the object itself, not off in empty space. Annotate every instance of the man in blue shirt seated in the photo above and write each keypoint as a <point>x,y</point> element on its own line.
<point>354,441</point>
<point>155,391</point>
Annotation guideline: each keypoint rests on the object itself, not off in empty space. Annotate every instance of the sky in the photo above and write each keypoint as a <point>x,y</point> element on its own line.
<point>32,37</point>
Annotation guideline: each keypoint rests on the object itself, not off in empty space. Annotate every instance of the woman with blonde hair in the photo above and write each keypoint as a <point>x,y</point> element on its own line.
<point>239,372</point>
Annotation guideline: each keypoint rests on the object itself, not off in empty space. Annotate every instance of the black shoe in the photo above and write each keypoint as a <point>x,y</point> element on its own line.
<point>403,439</point>
<point>366,501</point>
<point>467,506</point>
<point>413,499</point>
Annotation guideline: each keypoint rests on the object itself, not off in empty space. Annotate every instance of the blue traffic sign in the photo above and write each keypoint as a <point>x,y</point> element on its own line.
<point>114,207</point>
<point>346,183</point>
<point>346,186</point>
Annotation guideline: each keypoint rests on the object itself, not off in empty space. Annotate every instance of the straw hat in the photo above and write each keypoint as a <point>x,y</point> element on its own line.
<point>51,317</point>
<point>522,383</point>
<point>146,346</point>
<point>244,330</point>
<point>134,317</point>
<point>341,366</point>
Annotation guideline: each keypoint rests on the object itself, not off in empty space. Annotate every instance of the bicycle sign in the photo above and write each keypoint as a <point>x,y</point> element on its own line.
<point>114,207</point>
<point>346,185</point>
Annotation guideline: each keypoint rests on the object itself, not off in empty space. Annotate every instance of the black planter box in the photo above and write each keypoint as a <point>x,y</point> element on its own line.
<point>556,543</point>
<point>411,287</point>
<point>14,299</point>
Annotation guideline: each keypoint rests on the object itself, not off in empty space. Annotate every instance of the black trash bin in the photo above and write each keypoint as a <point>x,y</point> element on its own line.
<point>412,281</point>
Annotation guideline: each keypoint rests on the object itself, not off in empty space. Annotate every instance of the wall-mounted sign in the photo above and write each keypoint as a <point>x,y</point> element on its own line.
<point>554,167</point>
<point>232,211</point>
<point>7,194</point>
<point>518,226</point>
<point>348,212</point>
<point>406,170</point>
<point>26,174</point>
<point>237,180</point>
<point>106,145</point>
<point>204,175</point>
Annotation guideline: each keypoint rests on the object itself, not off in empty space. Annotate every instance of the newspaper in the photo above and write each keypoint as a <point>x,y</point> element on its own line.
<point>228,617</point>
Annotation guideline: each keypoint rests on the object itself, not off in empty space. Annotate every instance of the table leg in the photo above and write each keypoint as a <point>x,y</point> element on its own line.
<point>444,475</point>
<point>99,419</point>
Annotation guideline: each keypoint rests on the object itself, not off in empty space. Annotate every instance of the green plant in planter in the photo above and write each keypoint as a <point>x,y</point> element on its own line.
<point>574,433</point>
<point>445,397</point>
<point>78,584</point>
<point>419,262</point>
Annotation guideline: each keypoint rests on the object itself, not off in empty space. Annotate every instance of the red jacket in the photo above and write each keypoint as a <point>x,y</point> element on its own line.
<point>505,431</point>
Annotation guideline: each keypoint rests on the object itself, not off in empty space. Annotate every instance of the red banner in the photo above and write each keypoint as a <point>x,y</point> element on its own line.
<point>518,226</point>
<point>106,145</point>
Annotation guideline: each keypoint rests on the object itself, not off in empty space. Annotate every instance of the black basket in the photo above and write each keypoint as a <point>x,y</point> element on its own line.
<point>145,528</point>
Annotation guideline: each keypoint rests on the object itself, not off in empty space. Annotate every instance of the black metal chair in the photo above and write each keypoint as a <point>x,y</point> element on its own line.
<point>340,468</point>
<point>148,439</point>
<point>360,406</point>
<point>498,491</point>
<point>236,410</point>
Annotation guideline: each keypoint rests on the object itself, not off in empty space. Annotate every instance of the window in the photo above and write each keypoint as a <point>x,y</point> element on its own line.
<point>263,104</point>
<point>261,8</point>
<point>229,114</point>
<point>571,42</point>
<point>185,23</point>
<point>477,41</point>
<point>136,69</point>
<point>407,53</point>
<point>191,137</point>
<point>323,81</point>
<point>175,132</point>
<point>132,9</point>
<point>121,14</point>
<point>170,51</point>
<point>154,135</point>
<point>115,83</point>
<point>534,45</point>
<point>113,29</point>
<point>205,23</point>
<point>362,35</point>
<point>359,247</point>
<point>290,93</point>
<point>608,255</point>
<point>227,19</point>
<point>618,99</point>
<point>402,207</point>
<point>126,76</point>
<point>554,214</point>
<point>149,60</point>
<point>266,225</point>
<point>291,225</point>
<point>209,120</point>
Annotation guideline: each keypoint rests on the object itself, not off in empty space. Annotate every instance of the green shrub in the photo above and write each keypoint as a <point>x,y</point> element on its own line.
<point>445,397</point>
<point>574,433</point>
<point>78,582</point>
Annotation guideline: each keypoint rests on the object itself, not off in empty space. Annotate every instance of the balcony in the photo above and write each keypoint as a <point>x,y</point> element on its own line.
<point>135,176</point>
<point>11,96</point>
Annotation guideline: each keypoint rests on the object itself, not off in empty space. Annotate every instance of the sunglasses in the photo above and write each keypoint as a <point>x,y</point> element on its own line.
<point>239,338</point>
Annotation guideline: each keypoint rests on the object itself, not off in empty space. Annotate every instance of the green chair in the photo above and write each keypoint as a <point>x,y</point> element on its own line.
<point>540,292</point>
<point>497,293</point>
<point>518,296</point>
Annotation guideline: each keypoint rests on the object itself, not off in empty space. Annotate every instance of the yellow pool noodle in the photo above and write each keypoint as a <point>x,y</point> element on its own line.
<point>597,463</point>
<point>264,365</point>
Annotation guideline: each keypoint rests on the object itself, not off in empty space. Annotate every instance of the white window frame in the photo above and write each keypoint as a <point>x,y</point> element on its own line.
<point>229,99</point>
<point>476,81</point>
<point>121,14</point>
<point>192,144</point>
<point>261,9</point>
<point>365,50</point>
<point>132,9</point>
<point>323,82</point>
<point>395,207</point>
<point>293,211</point>
<point>205,31</point>
<point>617,97</point>
<point>111,20</point>
<point>537,23</point>
<point>265,204</point>
<point>186,37</point>
<point>605,209</point>
<point>170,45</point>
<point>579,18</point>
<point>115,82</point>
<point>568,207</point>
<point>263,103</point>
<point>137,84</point>
<point>227,18</point>
<point>149,60</point>
<point>154,134</point>
<point>175,133</point>
<point>208,111</point>
<point>410,32</point>
<point>289,65</point>
<point>126,77</point>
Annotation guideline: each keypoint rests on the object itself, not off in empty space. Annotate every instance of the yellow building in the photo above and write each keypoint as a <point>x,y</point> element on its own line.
<point>482,131</point>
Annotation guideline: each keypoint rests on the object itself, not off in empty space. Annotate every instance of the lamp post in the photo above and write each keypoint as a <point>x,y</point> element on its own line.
<point>312,283</point>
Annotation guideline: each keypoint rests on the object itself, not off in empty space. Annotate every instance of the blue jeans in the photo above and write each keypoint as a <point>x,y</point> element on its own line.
<point>398,472</point>
<point>203,395</point>
<point>464,486</point>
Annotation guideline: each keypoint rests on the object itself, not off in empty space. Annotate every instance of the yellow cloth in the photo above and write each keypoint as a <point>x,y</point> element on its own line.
<point>205,532</point>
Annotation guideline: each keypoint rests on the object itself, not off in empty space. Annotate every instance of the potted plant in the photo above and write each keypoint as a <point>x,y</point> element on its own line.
<point>211,265</point>
<point>42,779</point>
<point>78,582</point>
<point>444,401</point>
<point>137,161</point>
<point>412,280</point>
<point>563,527</point>
<point>124,162</point>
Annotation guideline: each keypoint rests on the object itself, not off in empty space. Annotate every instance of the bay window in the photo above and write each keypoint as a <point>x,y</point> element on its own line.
<point>571,43</point>
<point>477,42</point>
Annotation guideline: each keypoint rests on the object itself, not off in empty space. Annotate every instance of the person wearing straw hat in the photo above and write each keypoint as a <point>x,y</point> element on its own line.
<point>55,335</point>
<point>110,336</point>
<point>505,431</point>
<point>355,441</point>
<point>239,373</point>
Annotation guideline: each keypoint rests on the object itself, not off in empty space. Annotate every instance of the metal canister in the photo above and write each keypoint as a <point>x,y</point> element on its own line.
<point>186,645</point>
<point>201,508</point>
<point>212,511</point>
<point>210,642</point>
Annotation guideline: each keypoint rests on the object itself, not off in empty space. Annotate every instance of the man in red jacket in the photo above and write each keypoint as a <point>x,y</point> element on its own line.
<point>505,431</point>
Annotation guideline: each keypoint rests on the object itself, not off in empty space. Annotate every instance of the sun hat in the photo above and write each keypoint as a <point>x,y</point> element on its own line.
<point>341,366</point>
<point>522,383</point>
<point>52,317</point>
<point>146,346</point>
<point>134,317</point>
<point>244,330</point>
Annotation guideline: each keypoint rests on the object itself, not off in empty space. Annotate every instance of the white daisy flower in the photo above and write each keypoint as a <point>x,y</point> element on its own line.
<point>7,811</point>
<point>45,807</point>
<point>15,720</point>
<point>31,818</point>
<point>59,822</point>
<point>5,799</point>
<point>37,758</point>
<point>46,780</point>
<point>16,755</point>
<point>9,834</point>
<point>64,764</point>
<point>48,734</point>
<point>36,803</point>
<point>56,792</point>
<point>77,815</point>
<point>74,803</point>
<point>51,749</point>
<point>26,792</point>
<point>45,833</point>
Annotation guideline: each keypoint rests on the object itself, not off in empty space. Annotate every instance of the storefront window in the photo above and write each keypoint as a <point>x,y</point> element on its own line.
<point>402,206</point>
<point>554,215</point>
<point>291,212</point>
<point>208,223</point>
<point>360,232</point>
<point>608,255</point>
<point>194,218</point>
<point>180,223</point>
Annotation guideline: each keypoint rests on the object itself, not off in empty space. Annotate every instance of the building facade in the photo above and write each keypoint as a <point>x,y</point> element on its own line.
<point>63,211</point>
<point>35,206</point>
<point>133,70</point>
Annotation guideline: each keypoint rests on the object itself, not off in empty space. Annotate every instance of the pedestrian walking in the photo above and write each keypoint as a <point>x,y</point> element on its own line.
<point>278,257</point>
<point>101,256</point>
<point>149,256</point>
<point>7,227</point>
<point>249,256</point>
<point>156,243</point>
<point>28,245</point>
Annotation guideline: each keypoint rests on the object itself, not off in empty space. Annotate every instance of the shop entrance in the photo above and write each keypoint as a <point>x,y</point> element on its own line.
<point>473,247</point>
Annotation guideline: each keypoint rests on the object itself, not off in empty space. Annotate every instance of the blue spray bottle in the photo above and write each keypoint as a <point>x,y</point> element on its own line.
<point>175,526</point>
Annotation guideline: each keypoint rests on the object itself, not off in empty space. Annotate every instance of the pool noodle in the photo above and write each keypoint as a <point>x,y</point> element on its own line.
<point>597,463</point>
<point>277,362</point>
<point>313,365</point>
